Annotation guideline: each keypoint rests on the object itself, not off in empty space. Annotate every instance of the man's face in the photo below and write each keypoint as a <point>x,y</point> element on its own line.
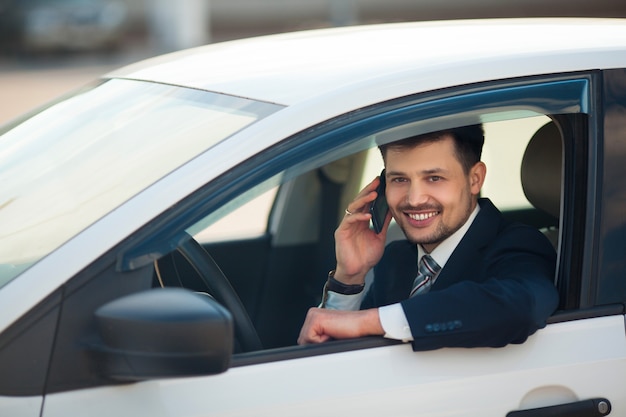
<point>429,194</point>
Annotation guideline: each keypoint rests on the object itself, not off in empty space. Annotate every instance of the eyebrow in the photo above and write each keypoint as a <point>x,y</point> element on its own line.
<point>430,171</point>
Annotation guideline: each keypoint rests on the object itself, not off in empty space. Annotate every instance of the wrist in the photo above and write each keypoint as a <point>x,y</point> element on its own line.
<point>335,285</point>
<point>372,323</point>
<point>332,285</point>
<point>348,279</point>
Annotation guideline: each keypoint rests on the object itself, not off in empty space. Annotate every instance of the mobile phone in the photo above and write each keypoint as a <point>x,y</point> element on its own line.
<point>379,207</point>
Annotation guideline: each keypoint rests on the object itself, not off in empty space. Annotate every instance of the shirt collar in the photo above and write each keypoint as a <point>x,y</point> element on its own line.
<point>444,250</point>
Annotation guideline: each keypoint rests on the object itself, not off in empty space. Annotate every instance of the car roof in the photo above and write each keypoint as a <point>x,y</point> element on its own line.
<point>291,68</point>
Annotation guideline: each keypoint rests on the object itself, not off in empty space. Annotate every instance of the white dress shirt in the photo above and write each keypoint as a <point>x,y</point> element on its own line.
<point>392,317</point>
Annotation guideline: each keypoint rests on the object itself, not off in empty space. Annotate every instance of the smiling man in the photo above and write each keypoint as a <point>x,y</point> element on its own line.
<point>465,276</point>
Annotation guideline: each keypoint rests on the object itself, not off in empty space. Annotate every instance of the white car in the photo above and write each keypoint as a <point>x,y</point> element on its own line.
<point>220,173</point>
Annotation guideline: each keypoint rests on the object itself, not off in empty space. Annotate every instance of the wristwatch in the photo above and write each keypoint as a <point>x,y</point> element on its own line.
<point>339,287</point>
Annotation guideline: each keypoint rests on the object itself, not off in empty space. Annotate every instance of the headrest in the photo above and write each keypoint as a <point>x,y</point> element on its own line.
<point>542,169</point>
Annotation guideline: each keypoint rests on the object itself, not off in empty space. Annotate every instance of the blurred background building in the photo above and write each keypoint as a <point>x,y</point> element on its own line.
<point>50,46</point>
<point>80,25</point>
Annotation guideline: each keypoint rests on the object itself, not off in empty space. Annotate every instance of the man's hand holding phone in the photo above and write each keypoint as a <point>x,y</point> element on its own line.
<point>358,248</point>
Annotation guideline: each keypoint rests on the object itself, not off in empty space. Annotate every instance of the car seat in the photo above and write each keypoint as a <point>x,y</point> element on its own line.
<point>541,174</point>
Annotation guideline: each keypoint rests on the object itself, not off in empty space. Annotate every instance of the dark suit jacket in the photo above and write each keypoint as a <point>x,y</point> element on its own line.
<point>496,288</point>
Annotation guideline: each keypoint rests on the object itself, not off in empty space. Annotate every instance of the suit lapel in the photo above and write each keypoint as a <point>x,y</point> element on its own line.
<point>466,260</point>
<point>395,272</point>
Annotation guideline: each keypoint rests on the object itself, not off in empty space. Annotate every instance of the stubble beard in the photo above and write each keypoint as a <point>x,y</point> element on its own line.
<point>442,230</point>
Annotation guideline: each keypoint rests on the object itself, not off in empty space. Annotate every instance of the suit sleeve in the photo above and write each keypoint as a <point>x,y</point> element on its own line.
<point>512,298</point>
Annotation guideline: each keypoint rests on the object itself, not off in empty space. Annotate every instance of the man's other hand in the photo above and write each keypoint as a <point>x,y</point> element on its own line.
<point>321,325</point>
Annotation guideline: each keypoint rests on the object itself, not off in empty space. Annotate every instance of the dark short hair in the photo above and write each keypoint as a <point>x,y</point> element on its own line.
<point>468,143</point>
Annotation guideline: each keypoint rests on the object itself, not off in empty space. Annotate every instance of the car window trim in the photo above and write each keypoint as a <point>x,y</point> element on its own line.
<point>352,132</point>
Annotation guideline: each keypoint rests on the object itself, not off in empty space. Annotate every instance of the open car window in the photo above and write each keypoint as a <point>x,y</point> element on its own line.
<point>275,242</point>
<point>505,143</point>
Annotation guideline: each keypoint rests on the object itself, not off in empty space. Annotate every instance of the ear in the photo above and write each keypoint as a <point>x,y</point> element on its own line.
<point>477,177</point>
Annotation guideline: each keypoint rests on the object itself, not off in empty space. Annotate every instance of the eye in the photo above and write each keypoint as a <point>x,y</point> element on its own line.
<point>398,179</point>
<point>434,178</point>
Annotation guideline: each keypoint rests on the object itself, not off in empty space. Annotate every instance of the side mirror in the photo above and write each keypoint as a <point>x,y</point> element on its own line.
<point>163,333</point>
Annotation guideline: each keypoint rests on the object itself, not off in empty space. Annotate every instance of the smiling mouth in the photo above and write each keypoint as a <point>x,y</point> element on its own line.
<point>422,216</point>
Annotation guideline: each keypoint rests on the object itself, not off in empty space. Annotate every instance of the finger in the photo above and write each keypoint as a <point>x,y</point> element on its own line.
<point>355,219</point>
<point>372,185</point>
<point>308,334</point>
<point>361,203</point>
<point>367,190</point>
<point>307,339</point>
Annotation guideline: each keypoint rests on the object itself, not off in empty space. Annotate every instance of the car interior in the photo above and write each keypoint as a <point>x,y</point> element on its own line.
<point>274,270</point>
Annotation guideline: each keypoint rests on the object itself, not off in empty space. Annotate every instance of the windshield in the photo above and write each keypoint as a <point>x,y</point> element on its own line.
<point>66,167</point>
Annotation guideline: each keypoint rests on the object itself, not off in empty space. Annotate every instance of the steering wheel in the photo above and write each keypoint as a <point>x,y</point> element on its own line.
<point>219,286</point>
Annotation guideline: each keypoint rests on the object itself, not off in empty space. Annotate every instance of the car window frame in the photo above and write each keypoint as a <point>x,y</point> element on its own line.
<point>571,263</point>
<point>607,191</point>
<point>353,132</point>
<point>562,95</point>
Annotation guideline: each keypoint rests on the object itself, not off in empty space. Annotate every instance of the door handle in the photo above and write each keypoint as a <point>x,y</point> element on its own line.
<point>595,407</point>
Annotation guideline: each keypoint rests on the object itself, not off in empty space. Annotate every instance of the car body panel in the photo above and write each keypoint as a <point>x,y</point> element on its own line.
<point>537,373</point>
<point>21,406</point>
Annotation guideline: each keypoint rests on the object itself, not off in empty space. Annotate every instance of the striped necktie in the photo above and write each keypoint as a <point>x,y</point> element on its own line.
<point>427,269</point>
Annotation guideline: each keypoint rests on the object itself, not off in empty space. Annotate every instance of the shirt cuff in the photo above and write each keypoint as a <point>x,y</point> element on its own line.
<point>336,301</point>
<point>394,322</point>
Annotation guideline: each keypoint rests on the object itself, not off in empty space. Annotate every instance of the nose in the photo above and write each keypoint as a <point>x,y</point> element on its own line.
<point>417,194</point>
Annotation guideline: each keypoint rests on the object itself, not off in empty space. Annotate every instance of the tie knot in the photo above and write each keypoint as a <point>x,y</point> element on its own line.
<point>428,266</point>
<point>427,269</point>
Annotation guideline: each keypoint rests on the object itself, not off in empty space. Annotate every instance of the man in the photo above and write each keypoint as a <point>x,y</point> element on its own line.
<point>487,282</point>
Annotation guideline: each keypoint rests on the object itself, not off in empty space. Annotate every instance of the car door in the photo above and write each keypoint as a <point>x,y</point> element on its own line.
<point>576,362</point>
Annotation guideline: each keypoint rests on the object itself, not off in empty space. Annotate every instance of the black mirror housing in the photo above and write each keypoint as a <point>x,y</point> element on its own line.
<point>163,333</point>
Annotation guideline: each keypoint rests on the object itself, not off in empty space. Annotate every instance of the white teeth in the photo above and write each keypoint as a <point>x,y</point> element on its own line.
<point>423,216</point>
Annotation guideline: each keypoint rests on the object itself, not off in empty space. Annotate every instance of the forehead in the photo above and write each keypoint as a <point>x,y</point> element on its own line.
<point>427,155</point>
